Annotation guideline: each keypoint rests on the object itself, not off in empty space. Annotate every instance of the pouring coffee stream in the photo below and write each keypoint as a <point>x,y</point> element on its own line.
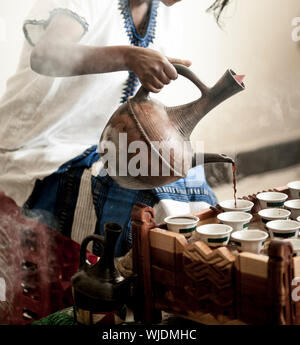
<point>164,129</point>
<point>234,183</point>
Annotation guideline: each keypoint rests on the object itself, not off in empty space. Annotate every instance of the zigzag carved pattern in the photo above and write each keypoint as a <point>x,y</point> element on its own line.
<point>201,263</point>
<point>223,301</point>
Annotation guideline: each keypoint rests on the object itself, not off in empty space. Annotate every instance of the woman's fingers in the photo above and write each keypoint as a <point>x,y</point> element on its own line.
<point>152,89</point>
<point>156,83</point>
<point>154,69</point>
<point>184,62</point>
<point>153,85</point>
<point>164,78</point>
<point>170,69</point>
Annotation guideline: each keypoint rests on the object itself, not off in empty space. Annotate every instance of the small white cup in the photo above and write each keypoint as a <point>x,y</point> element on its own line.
<point>237,220</point>
<point>242,205</point>
<point>184,225</point>
<point>295,244</point>
<point>281,229</point>
<point>268,214</point>
<point>271,199</point>
<point>214,235</point>
<point>294,207</point>
<point>294,188</point>
<point>250,240</point>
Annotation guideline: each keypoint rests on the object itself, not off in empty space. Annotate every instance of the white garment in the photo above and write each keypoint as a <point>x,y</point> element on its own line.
<point>48,121</point>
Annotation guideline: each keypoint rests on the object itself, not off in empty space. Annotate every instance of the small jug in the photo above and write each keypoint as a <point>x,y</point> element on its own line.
<point>99,290</point>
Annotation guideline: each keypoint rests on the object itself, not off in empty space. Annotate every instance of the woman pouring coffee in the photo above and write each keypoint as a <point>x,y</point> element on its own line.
<point>80,60</point>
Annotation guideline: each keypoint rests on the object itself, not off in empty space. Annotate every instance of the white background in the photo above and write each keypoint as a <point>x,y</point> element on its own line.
<point>256,41</point>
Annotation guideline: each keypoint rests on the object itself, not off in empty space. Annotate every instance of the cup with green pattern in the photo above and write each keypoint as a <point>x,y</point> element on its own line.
<point>184,225</point>
<point>294,188</point>
<point>271,199</point>
<point>282,229</point>
<point>237,220</point>
<point>294,207</point>
<point>241,205</point>
<point>268,214</point>
<point>214,235</point>
<point>295,242</point>
<point>249,241</point>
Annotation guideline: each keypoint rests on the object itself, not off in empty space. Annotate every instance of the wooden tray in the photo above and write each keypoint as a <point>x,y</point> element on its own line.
<point>211,286</point>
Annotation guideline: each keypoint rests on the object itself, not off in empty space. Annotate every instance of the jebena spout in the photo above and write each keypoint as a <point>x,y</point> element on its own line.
<point>200,158</point>
<point>187,116</point>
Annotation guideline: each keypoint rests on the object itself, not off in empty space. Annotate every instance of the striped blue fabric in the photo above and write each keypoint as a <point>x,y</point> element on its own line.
<point>54,198</point>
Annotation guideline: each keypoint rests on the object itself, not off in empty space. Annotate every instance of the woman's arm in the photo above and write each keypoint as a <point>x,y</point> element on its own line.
<point>58,54</point>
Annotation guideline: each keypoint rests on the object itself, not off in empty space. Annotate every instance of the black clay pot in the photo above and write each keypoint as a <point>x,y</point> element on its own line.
<point>99,290</point>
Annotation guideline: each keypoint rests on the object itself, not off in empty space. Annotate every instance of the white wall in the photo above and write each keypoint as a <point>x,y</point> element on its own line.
<point>256,41</point>
<point>12,14</point>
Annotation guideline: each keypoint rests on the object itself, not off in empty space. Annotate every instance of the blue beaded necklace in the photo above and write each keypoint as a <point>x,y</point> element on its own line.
<point>137,40</point>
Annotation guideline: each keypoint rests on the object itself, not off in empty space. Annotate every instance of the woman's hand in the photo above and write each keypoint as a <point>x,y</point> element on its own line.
<point>58,54</point>
<point>153,69</point>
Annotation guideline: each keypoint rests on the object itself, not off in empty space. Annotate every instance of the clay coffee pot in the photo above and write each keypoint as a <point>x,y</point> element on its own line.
<point>164,131</point>
<point>99,290</point>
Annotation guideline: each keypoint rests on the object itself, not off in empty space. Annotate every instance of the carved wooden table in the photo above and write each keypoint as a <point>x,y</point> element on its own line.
<point>211,286</point>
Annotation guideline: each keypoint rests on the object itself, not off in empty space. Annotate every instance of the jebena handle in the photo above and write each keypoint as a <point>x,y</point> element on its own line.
<point>182,70</point>
<point>83,247</point>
